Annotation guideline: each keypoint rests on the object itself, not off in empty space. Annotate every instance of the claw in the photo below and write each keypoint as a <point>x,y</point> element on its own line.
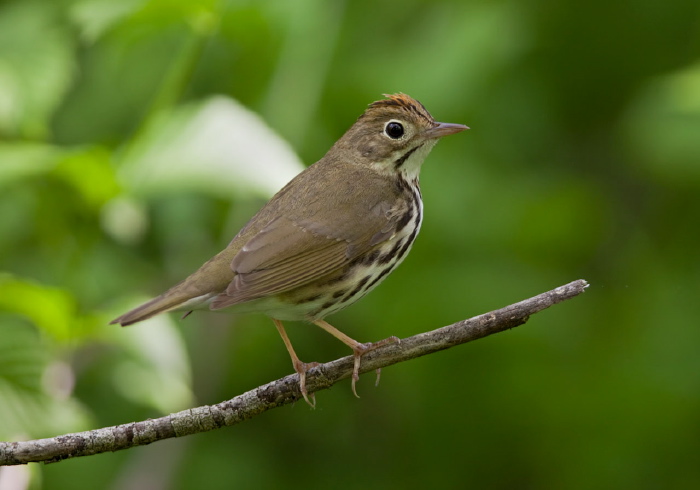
<point>361,349</point>
<point>356,371</point>
<point>301,368</point>
<point>358,349</point>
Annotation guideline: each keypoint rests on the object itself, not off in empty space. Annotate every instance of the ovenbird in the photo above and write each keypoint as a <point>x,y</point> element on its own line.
<point>328,237</point>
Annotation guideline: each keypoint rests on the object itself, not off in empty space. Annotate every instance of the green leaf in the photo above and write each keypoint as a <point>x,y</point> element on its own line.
<point>88,170</point>
<point>96,16</point>
<point>53,310</point>
<point>36,67</point>
<point>155,371</point>
<point>32,405</point>
<point>217,147</point>
<point>22,160</point>
<point>91,173</point>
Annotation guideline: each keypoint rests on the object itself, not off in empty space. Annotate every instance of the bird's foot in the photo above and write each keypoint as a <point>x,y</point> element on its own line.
<point>302,368</point>
<point>361,349</point>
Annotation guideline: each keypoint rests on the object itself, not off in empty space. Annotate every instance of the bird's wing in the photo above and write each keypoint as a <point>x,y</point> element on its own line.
<point>288,253</point>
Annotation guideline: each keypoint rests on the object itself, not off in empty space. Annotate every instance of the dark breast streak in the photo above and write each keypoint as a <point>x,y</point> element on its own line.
<point>367,271</point>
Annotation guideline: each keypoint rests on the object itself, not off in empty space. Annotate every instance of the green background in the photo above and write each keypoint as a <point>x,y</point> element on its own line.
<point>583,161</point>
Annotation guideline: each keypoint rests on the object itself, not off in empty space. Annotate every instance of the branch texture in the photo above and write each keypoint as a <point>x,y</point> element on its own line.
<point>280,392</point>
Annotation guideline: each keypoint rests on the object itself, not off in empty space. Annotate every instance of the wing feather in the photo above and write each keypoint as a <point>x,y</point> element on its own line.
<point>295,249</point>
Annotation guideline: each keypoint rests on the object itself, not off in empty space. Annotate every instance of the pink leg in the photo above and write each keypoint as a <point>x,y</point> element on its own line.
<point>357,348</point>
<point>300,367</point>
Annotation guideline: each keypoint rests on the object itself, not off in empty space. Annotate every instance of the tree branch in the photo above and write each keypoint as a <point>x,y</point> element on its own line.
<point>279,392</point>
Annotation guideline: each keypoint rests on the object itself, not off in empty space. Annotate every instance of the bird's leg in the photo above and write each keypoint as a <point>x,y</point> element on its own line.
<point>358,348</point>
<point>300,367</point>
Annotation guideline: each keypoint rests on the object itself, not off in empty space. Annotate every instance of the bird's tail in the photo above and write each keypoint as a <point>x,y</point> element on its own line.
<point>163,303</point>
<point>189,294</point>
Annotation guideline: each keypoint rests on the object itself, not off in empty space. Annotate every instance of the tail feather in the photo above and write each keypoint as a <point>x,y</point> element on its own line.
<point>158,305</point>
<point>189,294</point>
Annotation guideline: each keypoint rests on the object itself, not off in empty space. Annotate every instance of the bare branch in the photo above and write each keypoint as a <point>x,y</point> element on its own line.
<point>279,392</point>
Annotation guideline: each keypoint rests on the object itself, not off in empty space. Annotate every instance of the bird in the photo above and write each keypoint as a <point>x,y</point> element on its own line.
<point>328,237</point>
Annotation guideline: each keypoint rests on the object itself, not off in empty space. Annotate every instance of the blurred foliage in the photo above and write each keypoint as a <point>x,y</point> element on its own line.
<point>133,147</point>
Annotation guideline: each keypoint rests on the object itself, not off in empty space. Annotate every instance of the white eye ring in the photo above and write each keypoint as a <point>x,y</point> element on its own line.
<point>394,129</point>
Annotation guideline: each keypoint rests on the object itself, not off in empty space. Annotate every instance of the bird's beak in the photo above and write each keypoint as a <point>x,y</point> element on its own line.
<point>443,129</point>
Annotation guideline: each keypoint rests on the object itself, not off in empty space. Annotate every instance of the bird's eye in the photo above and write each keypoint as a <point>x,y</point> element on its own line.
<point>394,130</point>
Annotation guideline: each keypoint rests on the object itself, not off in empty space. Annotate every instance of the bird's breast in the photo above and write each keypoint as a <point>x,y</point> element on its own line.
<point>361,274</point>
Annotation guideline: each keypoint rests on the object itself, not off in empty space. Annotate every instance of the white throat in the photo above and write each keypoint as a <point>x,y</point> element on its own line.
<point>411,167</point>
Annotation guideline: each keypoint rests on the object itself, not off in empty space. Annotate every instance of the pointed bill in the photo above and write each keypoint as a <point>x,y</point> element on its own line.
<point>443,129</point>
